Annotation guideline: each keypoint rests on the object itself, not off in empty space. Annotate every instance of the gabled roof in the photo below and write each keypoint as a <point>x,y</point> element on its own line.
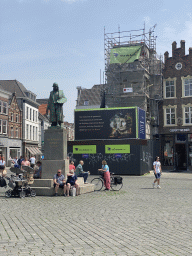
<point>12,98</point>
<point>93,95</point>
<point>42,101</point>
<point>13,86</point>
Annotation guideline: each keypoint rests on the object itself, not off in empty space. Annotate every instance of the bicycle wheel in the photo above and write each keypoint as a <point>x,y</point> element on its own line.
<point>98,184</point>
<point>115,186</point>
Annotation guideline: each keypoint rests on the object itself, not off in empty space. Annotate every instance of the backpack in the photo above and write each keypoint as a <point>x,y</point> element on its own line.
<point>2,182</point>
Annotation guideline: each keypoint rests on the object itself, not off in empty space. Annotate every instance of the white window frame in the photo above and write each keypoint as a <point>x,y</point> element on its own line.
<point>27,113</point>
<point>33,132</point>
<point>169,107</point>
<point>12,132</point>
<point>5,107</point>
<point>183,79</point>
<point>189,106</point>
<point>165,87</point>
<point>16,132</point>
<point>30,131</point>
<point>4,126</point>
<point>36,134</point>
<point>17,118</point>
<point>86,102</point>
<point>27,131</point>
<point>12,117</point>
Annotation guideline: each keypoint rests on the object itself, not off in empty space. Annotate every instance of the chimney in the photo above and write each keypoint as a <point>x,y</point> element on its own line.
<point>182,43</point>
<point>174,46</point>
<point>190,51</point>
<point>166,56</point>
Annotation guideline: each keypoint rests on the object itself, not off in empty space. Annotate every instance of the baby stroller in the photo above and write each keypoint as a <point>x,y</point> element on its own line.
<point>19,183</point>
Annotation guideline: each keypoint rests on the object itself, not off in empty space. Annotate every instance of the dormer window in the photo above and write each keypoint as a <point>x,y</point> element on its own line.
<point>86,103</point>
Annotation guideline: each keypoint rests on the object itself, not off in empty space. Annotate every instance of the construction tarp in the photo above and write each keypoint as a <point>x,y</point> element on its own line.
<point>123,55</point>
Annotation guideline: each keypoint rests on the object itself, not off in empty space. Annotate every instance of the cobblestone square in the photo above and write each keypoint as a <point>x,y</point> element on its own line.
<point>138,220</point>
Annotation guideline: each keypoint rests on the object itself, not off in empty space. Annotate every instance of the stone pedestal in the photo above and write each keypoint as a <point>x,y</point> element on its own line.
<point>50,168</point>
<point>55,144</point>
<point>55,152</point>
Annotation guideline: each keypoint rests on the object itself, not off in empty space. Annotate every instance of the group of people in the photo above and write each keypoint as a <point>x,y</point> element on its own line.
<point>60,181</point>
<point>19,163</point>
<point>66,184</point>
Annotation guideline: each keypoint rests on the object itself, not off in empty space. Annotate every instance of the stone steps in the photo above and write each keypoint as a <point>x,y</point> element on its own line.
<point>44,187</point>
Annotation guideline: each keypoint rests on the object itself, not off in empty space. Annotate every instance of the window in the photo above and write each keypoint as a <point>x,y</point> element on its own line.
<point>170,89</point>
<point>0,106</point>
<point>27,131</point>
<point>188,87</point>
<point>16,118</point>
<point>188,115</point>
<point>16,133</point>
<point>30,114</point>
<point>0,126</point>
<point>27,114</point>
<point>4,129</point>
<point>33,115</point>
<point>36,116</point>
<point>86,103</point>
<point>12,132</point>
<point>33,132</point>
<point>11,117</point>
<point>4,107</point>
<point>30,132</point>
<point>36,133</point>
<point>170,116</point>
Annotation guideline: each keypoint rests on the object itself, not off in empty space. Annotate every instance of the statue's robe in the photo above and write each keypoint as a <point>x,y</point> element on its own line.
<point>55,105</point>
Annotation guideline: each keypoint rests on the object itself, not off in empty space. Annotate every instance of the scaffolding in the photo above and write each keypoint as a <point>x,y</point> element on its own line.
<point>135,69</point>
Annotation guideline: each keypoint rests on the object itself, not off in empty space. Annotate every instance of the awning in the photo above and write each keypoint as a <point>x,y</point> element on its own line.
<point>34,150</point>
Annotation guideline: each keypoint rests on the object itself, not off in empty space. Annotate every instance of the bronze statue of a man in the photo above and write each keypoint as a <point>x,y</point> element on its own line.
<point>55,105</point>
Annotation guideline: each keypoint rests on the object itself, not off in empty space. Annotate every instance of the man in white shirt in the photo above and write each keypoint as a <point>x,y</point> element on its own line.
<point>157,171</point>
<point>32,161</point>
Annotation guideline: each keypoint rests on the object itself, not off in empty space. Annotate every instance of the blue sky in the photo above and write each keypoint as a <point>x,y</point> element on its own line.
<point>47,41</point>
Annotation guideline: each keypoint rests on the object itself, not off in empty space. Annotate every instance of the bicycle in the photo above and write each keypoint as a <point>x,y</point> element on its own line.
<point>116,182</point>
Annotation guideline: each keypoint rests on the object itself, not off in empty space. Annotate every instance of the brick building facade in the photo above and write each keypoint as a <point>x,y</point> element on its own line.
<point>175,126</point>
<point>4,103</point>
<point>14,128</point>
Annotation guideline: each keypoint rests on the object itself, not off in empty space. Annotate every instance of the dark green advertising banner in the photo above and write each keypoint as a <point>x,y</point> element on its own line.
<point>114,123</point>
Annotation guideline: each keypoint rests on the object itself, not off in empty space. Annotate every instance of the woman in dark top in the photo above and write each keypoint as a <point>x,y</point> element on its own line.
<point>72,181</point>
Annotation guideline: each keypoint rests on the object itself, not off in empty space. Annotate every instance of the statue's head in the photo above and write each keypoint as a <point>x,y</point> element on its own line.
<point>55,87</point>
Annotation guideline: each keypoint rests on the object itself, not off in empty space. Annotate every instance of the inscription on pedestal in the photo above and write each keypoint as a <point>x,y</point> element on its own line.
<point>55,144</point>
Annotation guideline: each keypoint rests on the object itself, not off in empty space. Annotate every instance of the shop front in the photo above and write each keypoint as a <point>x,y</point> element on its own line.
<point>176,150</point>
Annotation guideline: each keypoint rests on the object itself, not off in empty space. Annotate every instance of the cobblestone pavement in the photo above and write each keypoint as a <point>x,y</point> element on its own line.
<point>137,220</point>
